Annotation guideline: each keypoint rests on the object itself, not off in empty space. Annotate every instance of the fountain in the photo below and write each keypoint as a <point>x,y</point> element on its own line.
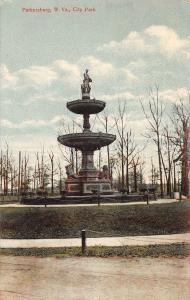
<point>89,179</point>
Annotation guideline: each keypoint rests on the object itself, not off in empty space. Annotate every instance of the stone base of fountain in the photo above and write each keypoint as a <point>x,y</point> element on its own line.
<point>79,186</point>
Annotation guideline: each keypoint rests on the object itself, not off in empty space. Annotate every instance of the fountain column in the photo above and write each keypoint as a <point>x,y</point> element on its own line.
<point>88,160</point>
<point>86,123</point>
<point>87,156</point>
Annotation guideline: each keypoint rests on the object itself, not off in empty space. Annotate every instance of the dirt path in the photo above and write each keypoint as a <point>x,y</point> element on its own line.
<point>94,278</point>
<point>106,241</point>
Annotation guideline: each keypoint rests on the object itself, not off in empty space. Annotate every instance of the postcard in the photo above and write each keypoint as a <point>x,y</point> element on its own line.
<point>95,149</point>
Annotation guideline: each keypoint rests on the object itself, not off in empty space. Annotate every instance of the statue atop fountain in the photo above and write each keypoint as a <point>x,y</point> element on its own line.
<point>85,86</point>
<point>89,178</point>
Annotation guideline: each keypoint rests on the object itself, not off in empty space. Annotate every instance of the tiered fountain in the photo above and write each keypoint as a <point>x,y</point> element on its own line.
<point>88,179</point>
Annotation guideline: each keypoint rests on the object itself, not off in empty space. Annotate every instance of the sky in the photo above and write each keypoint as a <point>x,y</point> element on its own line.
<point>127,45</point>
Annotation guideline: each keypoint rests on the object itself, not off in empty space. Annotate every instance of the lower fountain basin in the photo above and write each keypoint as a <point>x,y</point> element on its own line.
<point>88,141</point>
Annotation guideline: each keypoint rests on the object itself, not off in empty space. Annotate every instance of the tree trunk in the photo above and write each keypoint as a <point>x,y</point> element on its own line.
<point>160,167</point>
<point>135,177</point>
<point>184,176</point>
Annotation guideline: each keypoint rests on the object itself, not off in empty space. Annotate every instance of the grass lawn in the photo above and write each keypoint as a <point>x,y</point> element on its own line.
<point>174,250</point>
<point>67,222</point>
<point>8,199</point>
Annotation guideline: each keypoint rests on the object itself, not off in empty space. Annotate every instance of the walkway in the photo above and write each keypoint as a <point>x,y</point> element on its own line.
<point>159,201</point>
<point>84,278</point>
<point>107,241</point>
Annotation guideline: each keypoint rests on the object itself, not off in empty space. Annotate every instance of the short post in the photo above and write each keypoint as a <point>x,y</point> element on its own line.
<point>147,199</point>
<point>155,198</point>
<point>180,196</point>
<point>45,199</point>
<point>83,236</point>
<point>98,194</point>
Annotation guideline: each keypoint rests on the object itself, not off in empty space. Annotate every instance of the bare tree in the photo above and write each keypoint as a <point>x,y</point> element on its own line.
<point>19,173</point>
<point>126,146</point>
<point>104,120</point>
<point>168,152</point>
<point>53,171</point>
<point>181,122</point>
<point>70,155</point>
<point>60,176</point>
<point>25,173</point>
<point>1,171</point>
<point>41,170</point>
<point>154,117</point>
<point>120,123</point>
<point>130,154</point>
<point>135,163</point>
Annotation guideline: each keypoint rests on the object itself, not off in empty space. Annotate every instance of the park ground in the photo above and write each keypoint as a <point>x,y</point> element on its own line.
<point>102,273</point>
<point>63,222</point>
<point>99,221</point>
<point>87,278</point>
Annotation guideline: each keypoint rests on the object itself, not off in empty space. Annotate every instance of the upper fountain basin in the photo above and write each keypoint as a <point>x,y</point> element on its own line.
<point>86,106</point>
<point>88,141</point>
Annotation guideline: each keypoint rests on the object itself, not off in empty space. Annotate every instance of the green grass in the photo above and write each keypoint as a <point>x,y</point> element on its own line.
<point>8,199</point>
<point>67,222</point>
<point>174,250</point>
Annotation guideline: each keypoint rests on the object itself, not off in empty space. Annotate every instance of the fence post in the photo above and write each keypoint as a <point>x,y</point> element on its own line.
<point>98,198</point>
<point>147,200</point>
<point>146,197</point>
<point>83,237</point>
<point>180,196</point>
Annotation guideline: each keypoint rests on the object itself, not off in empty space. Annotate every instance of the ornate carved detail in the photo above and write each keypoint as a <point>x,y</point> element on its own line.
<point>70,172</point>
<point>104,174</point>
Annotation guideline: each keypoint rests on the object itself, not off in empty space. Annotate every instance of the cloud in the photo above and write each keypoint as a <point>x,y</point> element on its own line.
<point>44,97</point>
<point>39,76</point>
<point>4,123</point>
<point>30,144</point>
<point>32,123</point>
<point>48,83</point>
<point>137,64</point>
<point>137,126</point>
<point>4,2</point>
<point>154,39</point>
<point>25,124</point>
<point>130,76</point>
<point>134,42</point>
<point>174,95</point>
<point>167,40</point>
<point>59,119</point>
<point>155,55</point>
<point>67,67</point>
<point>36,76</point>
<point>7,79</point>
<point>67,73</point>
<point>98,67</point>
<point>107,75</point>
<point>119,96</point>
